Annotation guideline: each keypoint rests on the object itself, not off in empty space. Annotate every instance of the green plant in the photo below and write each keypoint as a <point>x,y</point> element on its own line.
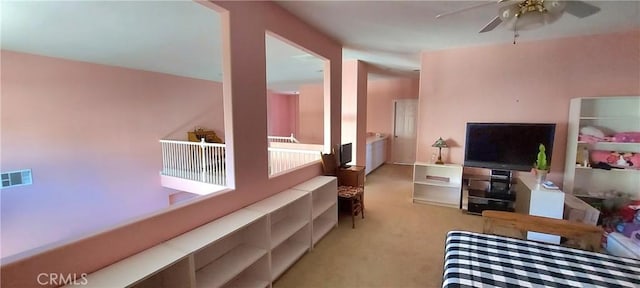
<point>541,162</point>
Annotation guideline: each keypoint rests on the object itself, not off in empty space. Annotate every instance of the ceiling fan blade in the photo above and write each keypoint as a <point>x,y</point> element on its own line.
<point>456,11</point>
<point>491,25</point>
<point>581,9</point>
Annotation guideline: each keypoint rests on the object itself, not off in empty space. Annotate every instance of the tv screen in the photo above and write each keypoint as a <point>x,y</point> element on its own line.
<point>345,154</point>
<point>507,146</point>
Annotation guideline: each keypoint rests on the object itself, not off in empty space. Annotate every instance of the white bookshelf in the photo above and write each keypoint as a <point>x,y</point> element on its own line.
<point>285,254</point>
<point>250,247</point>
<point>228,266</point>
<point>324,205</point>
<point>438,184</point>
<point>216,230</point>
<point>247,278</point>
<point>324,223</point>
<point>288,213</point>
<point>148,266</point>
<point>611,115</point>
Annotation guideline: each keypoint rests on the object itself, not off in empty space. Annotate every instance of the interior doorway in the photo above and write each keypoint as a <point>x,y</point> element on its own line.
<point>404,131</point>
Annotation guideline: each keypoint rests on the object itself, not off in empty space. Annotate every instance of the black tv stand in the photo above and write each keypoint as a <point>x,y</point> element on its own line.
<point>492,192</point>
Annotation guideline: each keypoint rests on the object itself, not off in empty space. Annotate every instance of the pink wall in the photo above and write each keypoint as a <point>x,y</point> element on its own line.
<point>380,96</point>
<point>245,105</point>
<point>282,114</point>
<point>311,114</point>
<point>527,82</point>
<point>90,135</point>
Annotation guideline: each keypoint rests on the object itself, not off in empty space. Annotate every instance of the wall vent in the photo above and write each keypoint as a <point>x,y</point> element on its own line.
<point>16,178</point>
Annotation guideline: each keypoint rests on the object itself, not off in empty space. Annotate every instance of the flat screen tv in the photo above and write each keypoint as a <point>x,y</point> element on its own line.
<point>506,146</point>
<point>345,154</point>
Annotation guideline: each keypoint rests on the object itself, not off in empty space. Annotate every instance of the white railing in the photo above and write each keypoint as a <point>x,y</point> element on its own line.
<point>282,159</point>
<point>198,161</point>
<point>282,139</point>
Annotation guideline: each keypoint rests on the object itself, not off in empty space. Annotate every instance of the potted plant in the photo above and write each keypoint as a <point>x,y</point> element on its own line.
<point>541,166</point>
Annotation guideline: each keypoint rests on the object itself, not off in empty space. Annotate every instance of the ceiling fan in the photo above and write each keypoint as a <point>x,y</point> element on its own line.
<point>529,14</point>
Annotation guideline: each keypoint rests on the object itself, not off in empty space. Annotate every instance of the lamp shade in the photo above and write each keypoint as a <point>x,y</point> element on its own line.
<point>440,143</point>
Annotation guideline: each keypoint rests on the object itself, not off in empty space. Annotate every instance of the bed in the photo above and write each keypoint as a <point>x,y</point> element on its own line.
<point>488,260</point>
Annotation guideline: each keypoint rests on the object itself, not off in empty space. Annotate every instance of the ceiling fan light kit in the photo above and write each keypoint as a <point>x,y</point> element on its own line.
<point>530,14</point>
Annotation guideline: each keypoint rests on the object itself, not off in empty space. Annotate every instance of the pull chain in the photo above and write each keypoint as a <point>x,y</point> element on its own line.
<point>515,30</point>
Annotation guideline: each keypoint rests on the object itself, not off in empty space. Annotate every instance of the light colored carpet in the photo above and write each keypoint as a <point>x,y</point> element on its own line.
<point>398,244</point>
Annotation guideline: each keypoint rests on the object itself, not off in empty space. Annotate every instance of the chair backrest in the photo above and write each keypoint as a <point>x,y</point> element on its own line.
<point>329,164</point>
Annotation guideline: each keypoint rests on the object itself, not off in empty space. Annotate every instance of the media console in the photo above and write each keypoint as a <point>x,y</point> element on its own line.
<point>521,195</point>
<point>492,192</point>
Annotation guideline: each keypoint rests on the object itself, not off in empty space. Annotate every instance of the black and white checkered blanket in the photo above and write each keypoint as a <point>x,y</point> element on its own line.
<point>481,260</point>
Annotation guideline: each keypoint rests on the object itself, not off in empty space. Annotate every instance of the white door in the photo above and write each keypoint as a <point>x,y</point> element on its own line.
<point>404,130</point>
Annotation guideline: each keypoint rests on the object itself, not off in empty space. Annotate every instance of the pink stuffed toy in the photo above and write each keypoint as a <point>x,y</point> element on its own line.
<point>627,137</point>
<point>616,159</point>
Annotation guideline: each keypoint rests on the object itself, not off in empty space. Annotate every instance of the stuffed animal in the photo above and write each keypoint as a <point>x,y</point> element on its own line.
<point>617,159</point>
<point>627,137</point>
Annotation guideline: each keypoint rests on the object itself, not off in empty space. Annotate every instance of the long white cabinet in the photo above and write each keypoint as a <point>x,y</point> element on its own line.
<point>250,247</point>
<point>376,153</point>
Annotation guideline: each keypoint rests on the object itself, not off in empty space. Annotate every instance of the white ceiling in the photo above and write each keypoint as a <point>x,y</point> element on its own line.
<point>392,33</point>
<point>183,37</point>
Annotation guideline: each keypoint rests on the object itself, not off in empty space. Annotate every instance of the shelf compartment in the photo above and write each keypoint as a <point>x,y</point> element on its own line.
<point>288,211</point>
<point>221,228</point>
<point>614,107</point>
<point>225,268</point>
<point>140,269</point>
<point>256,276</point>
<point>323,224</point>
<point>615,170</point>
<point>285,255</point>
<point>438,195</point>
<point>611,125</point>
<point>428,173</point>
<point>598,181</point>
<point>612,146</point>
<point>492,195</point>
<point>324,193</point>
<point>321,206</point>
<point>285,228</point>
<point>281,200</point>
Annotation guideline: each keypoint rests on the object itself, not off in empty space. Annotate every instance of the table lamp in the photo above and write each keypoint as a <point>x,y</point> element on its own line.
<point>440,144</point>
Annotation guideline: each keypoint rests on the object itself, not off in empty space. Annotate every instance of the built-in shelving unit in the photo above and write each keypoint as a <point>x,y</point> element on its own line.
<point>250,247</point>
<point>611,115</point>
<point>438,184</point>
<point>324,207</point>
<point>160,264</point>
<point>225,248</point>
<point>288,213</point>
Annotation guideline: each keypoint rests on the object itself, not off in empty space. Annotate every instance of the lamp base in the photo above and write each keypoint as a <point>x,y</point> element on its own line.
<point>440,156</point>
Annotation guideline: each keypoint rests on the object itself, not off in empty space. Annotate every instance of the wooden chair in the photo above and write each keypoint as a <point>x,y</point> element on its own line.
<point>349,194</point>
<point>578,235</point>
